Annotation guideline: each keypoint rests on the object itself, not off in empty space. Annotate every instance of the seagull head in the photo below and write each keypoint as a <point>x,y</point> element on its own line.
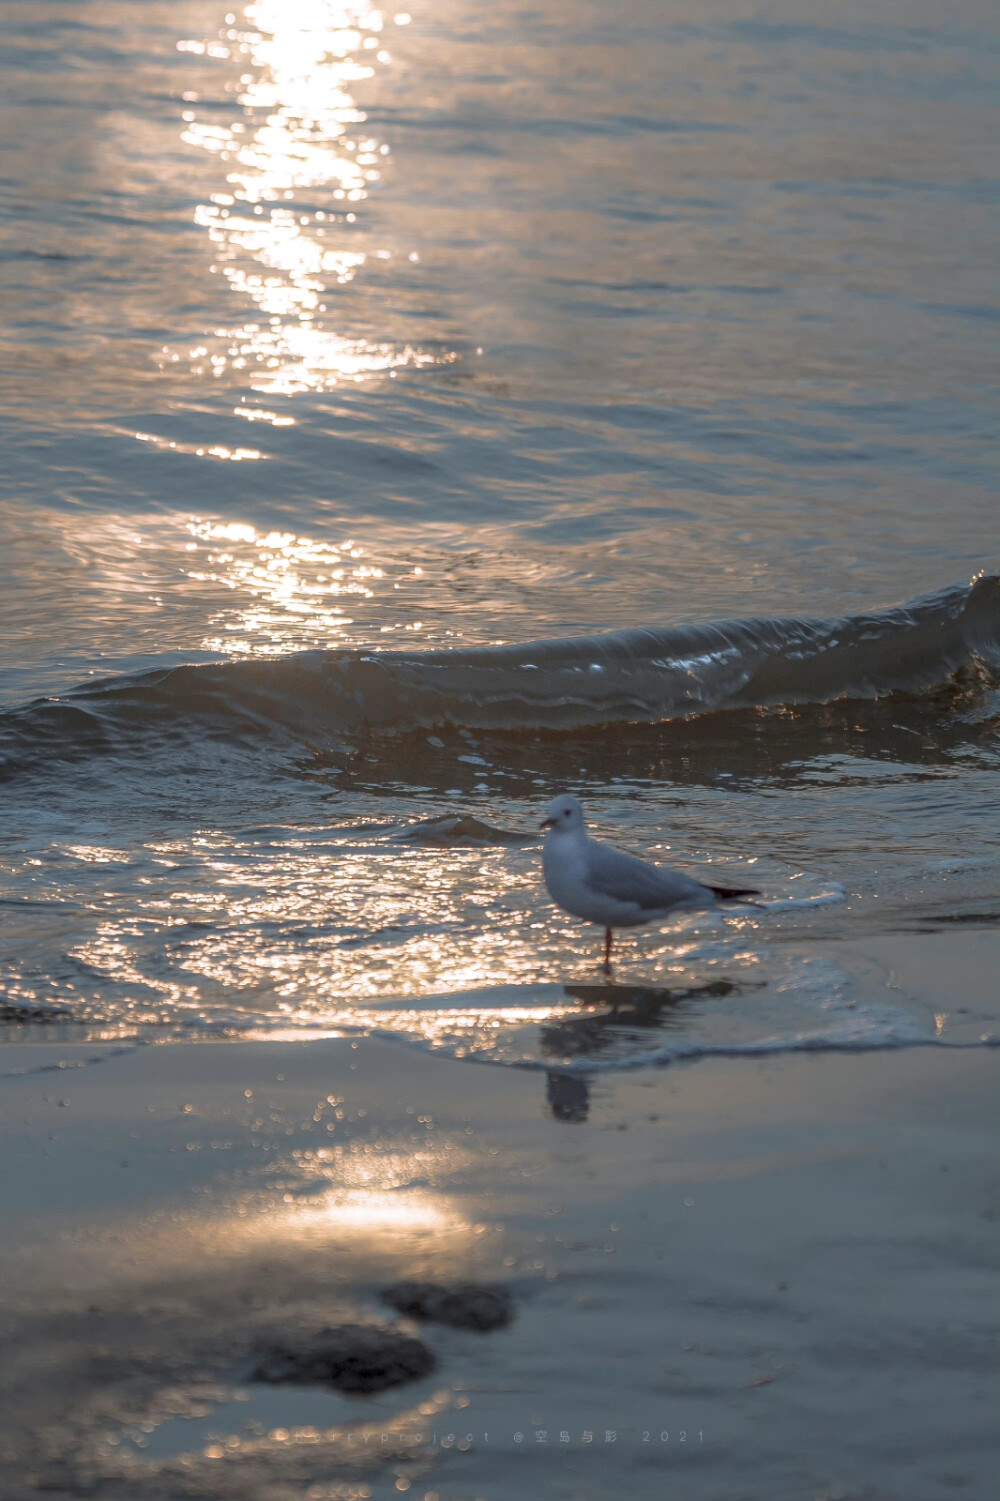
<point>564,815</point>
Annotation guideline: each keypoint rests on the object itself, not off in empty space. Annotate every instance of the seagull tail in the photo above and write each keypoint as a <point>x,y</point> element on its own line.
<point>736,894</point>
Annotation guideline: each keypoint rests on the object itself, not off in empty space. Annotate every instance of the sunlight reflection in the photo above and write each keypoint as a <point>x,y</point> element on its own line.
<point>330,931</point>
<point>176,582</point>
<point>314,935</point>
<point>294,584</point>
<point>347,930</point>
<point>216,451</point>
<point>364,1211</point>
<point>368,1188</point>
<point>300,163</point>
<point>412,937</point>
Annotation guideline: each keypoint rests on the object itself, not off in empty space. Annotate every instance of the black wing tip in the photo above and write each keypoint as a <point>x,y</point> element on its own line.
<point>733,893</point>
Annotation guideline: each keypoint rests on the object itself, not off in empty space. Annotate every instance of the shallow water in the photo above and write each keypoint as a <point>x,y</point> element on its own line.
<point>370,362</point>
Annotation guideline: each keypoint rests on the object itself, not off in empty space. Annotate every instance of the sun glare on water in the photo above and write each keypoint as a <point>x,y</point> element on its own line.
<point>300,162</point>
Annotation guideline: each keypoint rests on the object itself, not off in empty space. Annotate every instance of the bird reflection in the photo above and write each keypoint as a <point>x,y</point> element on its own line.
<point>568,1097</point>
<point>645,1006</point>
<point>628,1006</point>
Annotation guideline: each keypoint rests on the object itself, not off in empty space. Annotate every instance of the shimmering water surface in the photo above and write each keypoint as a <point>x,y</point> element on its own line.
<point>352,351</point>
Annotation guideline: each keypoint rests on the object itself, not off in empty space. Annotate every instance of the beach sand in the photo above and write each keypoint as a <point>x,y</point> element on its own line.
<point>737,1278</point>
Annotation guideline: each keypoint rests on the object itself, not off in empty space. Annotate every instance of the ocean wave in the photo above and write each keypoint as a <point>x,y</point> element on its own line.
<point>642,676</point>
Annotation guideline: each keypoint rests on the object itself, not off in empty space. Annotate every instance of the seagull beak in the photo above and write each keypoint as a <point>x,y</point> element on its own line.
<point>548,823</point>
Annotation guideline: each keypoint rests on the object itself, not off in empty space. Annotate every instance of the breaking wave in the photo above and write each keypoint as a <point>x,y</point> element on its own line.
<point>574,683</point>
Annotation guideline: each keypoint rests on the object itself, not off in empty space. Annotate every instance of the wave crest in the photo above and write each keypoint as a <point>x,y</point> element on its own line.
<point>632,676</point>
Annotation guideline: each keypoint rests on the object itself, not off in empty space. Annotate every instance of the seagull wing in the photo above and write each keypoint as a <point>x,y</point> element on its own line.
<point>623,878</point>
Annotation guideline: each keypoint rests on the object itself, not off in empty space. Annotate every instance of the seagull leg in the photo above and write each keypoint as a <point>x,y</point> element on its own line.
<point>607,950</point>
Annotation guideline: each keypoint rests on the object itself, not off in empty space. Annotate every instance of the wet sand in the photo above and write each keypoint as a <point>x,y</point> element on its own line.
<point>737,1278</point>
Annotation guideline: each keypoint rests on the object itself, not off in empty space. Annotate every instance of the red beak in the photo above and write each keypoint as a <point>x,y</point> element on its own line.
<point>548,823</point>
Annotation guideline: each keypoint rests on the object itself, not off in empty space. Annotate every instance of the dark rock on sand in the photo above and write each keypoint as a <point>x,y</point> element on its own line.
<point>464,1305</point>
<point>351,1357</point>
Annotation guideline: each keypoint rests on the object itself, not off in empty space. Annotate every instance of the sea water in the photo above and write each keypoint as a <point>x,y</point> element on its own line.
<point>409,416</point>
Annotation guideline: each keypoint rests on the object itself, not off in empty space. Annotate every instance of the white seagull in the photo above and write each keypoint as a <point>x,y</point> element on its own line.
<point>599,884</point>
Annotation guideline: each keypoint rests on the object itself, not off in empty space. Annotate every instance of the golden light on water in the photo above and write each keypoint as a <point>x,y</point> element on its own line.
<point>294,584</point>
<point>300,162</point>
<point>214,451</point>
<point>180,582</point>
<point>348,931</point>
<point>317,934</point>
<point>323,931</point>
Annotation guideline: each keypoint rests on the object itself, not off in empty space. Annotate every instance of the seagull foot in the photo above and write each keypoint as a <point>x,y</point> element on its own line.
<point>608,940</point>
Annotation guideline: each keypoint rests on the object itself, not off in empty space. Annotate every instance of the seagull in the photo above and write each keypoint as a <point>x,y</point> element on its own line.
<point>599,884</point>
